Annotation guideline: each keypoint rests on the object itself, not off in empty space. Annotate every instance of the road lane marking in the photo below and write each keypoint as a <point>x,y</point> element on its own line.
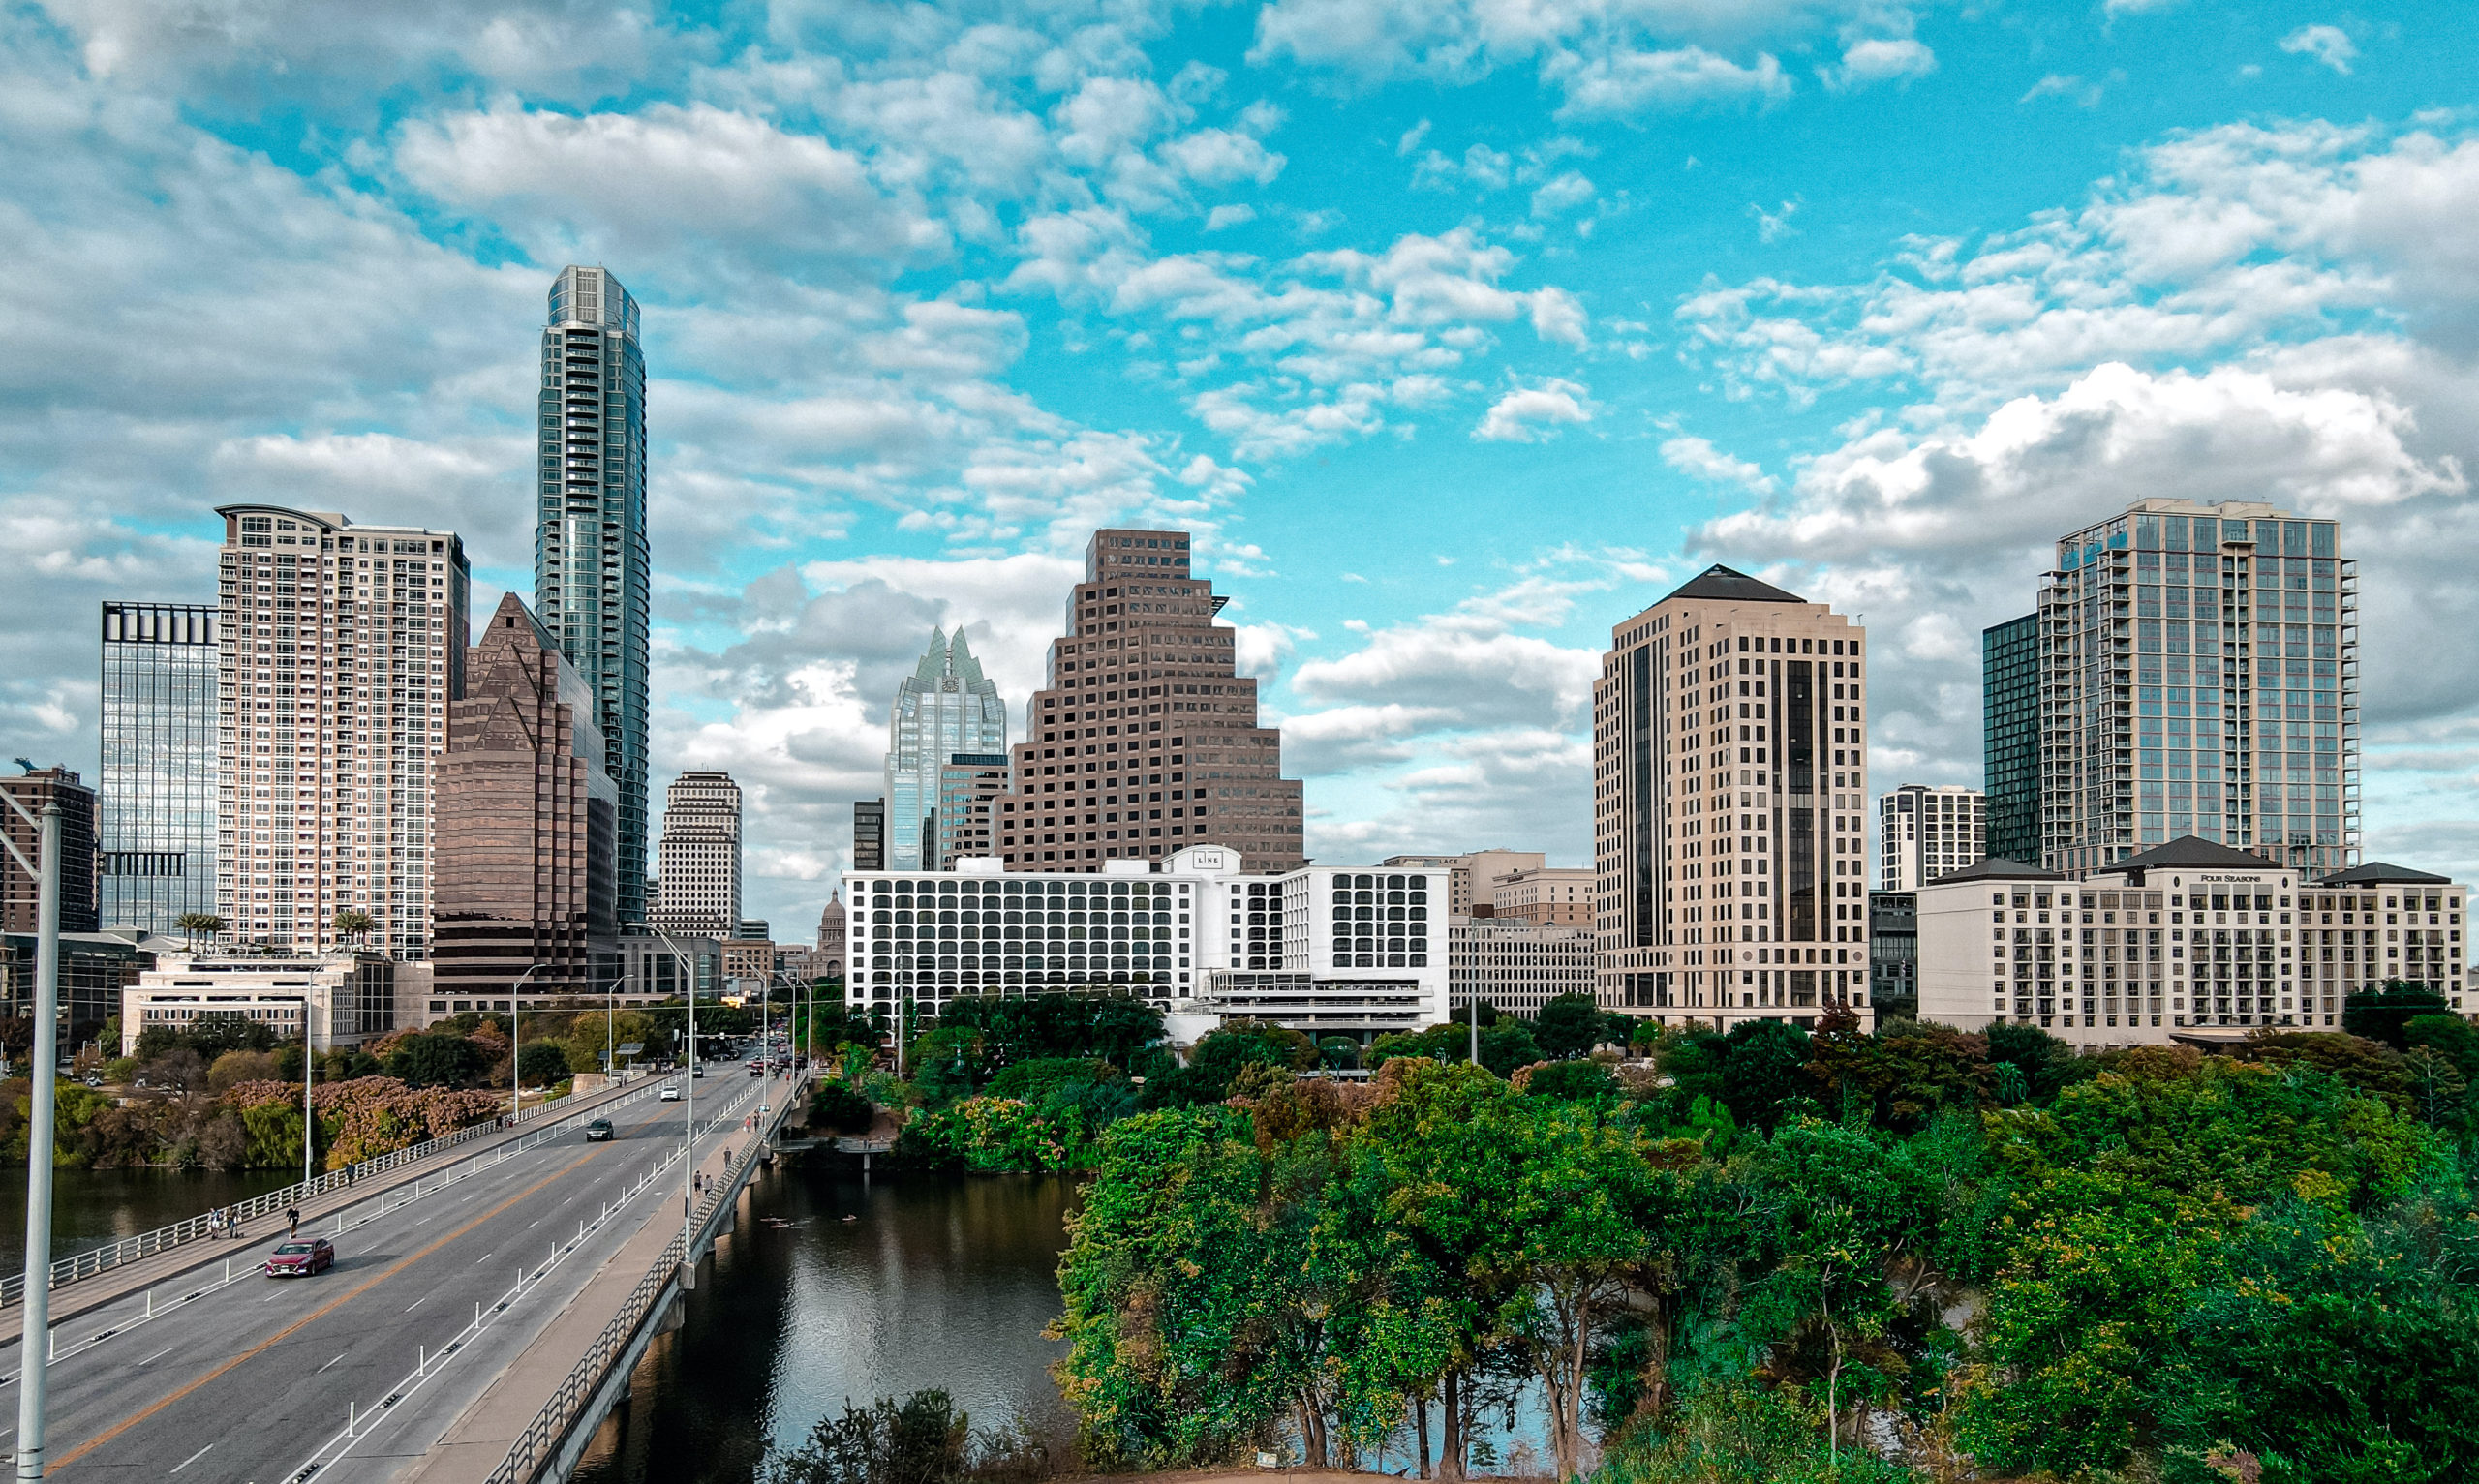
<point>484,1257</point>
<point>298,1325</point>
<point>324,1367</point>
<point>159,1354</point>
<point>192,1458</point>
<point>418,1303</point>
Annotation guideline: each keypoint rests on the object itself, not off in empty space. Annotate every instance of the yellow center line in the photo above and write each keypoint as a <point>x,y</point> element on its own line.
<point>327,1308</point>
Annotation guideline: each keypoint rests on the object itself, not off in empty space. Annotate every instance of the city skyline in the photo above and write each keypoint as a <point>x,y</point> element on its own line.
<point>1450,345</point>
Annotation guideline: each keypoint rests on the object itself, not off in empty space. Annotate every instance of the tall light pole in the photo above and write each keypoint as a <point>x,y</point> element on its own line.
<point>34,1333</point>
<point>516,1045</point>
<point>689,1108</point>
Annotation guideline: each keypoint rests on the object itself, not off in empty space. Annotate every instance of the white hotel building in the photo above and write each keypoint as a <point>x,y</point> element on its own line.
<point>1323,949</point>
<point>2189,939</point>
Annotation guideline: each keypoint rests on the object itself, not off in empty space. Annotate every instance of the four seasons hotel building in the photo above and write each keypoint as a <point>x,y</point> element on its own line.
<point>1146,741</point>
<point>1729,797</point>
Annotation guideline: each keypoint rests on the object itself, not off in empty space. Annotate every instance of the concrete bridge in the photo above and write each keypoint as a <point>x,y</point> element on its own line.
<point>486,1303</point>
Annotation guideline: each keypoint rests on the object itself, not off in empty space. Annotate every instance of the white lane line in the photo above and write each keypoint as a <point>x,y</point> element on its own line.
<point>159,1354</point>
<point>192,1458</point>
<point>329,1363</point>
<point>484,1257</point>
<point>418,1303</point>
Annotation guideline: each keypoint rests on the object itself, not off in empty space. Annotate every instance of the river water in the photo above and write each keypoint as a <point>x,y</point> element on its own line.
<point>92,1207</point>
<point>940,1281</point>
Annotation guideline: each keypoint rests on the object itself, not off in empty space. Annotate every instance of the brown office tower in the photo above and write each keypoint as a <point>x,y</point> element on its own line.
<point>18,892</point>
<point>1146,742</point>
<point>528,843</point>
<point>1729,795</point>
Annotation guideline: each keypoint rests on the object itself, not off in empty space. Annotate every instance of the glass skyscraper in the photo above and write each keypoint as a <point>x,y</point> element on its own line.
<point>592,566</point>
<point>2010,682</point>
<point>944,707</point>
<point>155,837</point>
<point>2200,676</point>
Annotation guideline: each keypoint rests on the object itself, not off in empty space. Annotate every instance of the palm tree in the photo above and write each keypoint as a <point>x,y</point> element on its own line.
<point>194,925</point>
<point>351,922</point>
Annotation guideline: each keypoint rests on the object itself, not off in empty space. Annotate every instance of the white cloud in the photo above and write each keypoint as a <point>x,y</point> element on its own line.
<point>1698,457</point>
<point>1526,414</point>
<point>2064,85</point>
<point>1621,83</point>
<point>2328,45</point>
<point>1222,218</point>
<point>1773,226</point>
<point>700,182</point>
<point>1556,197</point>
<point>1880,59</point>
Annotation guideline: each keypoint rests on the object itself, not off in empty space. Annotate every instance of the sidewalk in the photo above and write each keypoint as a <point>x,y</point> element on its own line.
<point>478,1441</point>
<point>162,1267</point>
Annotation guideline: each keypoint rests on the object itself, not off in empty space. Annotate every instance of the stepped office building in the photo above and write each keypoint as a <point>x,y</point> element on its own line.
<point>1319,949</point>
<point>1729,790</point>
<point>526,879</point>
<point>945,708</point>
<point>1146,739</point>
<point>155,829</point>
<point>2200,676</point>
<point>701,857</point>
<point>341,647</point>
<point>592,570</point>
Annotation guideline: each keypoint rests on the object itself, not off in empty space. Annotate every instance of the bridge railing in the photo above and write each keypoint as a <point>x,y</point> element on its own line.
<point>576,1390</point>
<point>95,1260</point>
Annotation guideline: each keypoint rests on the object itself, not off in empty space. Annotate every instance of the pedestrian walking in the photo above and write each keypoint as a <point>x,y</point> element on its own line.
<point>232,1225</point>
<point>291,1221</point>
<point>215,1223</point>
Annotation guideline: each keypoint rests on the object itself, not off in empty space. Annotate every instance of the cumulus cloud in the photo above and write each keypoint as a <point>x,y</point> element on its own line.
<point>1880,59</point>
<point>1527,414</point>
<point>1698,457</point>
<point>2329,46</point>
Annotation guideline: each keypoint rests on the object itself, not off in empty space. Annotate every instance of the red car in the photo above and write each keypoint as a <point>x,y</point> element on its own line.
<point>300,1259</point>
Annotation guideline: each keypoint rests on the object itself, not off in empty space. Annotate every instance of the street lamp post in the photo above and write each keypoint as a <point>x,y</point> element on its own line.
<point>517,1046</point>
<point>689,1109</point>
<point>34,1332</point>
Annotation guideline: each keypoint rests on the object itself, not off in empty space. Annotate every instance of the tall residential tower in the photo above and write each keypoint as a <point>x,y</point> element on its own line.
<point>340,645</point>
<point>1146,741</point>
<point>1730,784</point>
<point>2200,676</point>
<point>1925,832</point>
<point>156,829</point>
<point>592,567</point>
<point>943,707</point>
<point>2010,681</point>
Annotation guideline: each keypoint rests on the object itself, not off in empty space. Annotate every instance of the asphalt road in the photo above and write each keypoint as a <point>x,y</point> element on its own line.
<point>254,1380</point>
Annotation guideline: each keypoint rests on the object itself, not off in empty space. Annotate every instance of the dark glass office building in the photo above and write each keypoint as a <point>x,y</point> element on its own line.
<point>2009,679</point>
<point>156,825</point>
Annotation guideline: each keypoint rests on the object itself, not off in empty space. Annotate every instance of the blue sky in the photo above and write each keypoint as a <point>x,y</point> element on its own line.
<point>1457,332</point>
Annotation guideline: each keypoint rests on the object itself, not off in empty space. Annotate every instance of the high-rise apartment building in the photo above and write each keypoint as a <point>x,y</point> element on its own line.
<point>1924,833</point>
<point>592,572</point>
<point>945,707</point>
<point>526,876</point>
<point>1146,739</point>
<point>2200,676</point>
<point>340,648</point>
<point>869,835</point>
<point>20,894</point>
<point>969,787</point>
<point>701,857</point>
<point>2009,679</point>
<point>155,825</point>
<point>1730,784</point>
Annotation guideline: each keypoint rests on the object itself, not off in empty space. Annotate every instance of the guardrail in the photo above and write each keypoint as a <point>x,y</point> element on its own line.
<point>96,1261</point>
<point>576,1390</point>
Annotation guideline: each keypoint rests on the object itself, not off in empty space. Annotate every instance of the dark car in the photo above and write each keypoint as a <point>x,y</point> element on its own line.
<point>301,1257</point>
<point>599,1131</point>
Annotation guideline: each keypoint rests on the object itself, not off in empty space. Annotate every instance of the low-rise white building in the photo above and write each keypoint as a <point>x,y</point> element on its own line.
<point>1325,950</point>
<point>1516,964</point>
<point>345,999</point>
<point>2189,939</point>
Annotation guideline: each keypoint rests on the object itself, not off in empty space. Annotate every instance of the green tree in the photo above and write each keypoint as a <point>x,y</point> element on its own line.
<point>436,1059</point>
<point>2046,1062</point>
<point>194,925</point>
<point>1764,1071</point>
<point>1568,1026</point>
<point>1566,1081</point>
<point>350,923</point>
<point>2384,1013</point>
<point>542,1063</point>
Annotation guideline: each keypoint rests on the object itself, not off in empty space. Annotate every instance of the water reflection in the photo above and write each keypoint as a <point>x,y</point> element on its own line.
<point>940,1282</point>
<point>92,1207</point>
